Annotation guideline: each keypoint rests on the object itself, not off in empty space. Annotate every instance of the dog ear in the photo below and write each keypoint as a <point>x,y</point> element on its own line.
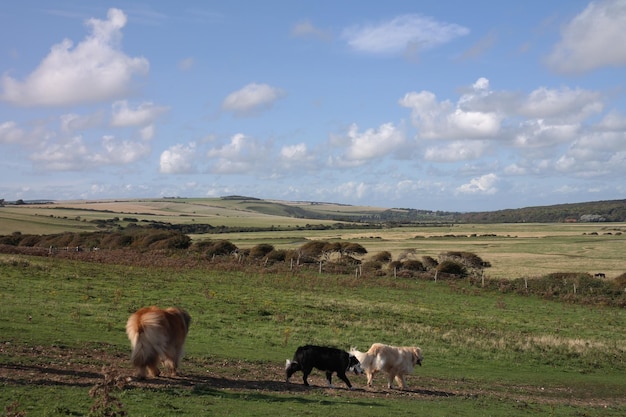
<point>417,356</point>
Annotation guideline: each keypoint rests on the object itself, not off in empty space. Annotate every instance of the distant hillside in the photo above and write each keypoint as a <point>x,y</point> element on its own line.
<point>595,211</point>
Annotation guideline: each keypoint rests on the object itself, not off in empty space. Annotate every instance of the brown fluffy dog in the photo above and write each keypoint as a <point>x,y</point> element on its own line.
<point>157,335</point>
<point>395,361</point>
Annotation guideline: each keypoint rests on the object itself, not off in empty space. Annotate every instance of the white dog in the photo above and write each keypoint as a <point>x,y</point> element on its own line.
<point>395,361</point>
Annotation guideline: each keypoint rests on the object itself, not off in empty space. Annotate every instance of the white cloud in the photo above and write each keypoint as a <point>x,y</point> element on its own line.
<point>146,113</point>
<point>456,151</point>
<point>481,47</point>
<point>69,155</point>
<point>443,120</point>
<point>178,159</point>
<point>595,154</point>
<point>296,152</point>
<point>485,184</point>
<point>147,132</point>
<point>73,154</point>
<point>592,40</point>
<point>373,143</point>
<point>307,29</point>
<point>566,103</point>
<point>515,169</point>
<point>351,190</point>
<point>537,133</point>
<point>252,99</point>
<point>613,121</point>
<point>186,64</point>
<point>72,122</point>
<point>120,152</point>
<point>243,155</point>
<point>95,70</point>
<point>10,133</point>
<point>402,34</point>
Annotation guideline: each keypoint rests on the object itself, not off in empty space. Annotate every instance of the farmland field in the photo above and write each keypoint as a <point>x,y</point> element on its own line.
<point>486,352</point>
<point>514,249</point>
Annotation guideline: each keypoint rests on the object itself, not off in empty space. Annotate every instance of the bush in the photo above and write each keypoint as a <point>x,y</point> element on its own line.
<point>217,248</point>
<point>619,283</point>
<point>261,250</point>
<point>413,265</point>
<point>452,268</point>
<point>383,257</point>
<point>429,262</point>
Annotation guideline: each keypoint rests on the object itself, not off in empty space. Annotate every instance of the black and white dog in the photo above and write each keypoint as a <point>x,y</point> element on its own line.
<point>326,359</point>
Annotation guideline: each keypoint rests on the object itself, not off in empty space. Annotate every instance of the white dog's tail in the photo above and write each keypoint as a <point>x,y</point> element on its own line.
<point>361,356</point>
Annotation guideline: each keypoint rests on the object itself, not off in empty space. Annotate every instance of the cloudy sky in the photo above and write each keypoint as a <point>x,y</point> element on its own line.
<point>449,105</point>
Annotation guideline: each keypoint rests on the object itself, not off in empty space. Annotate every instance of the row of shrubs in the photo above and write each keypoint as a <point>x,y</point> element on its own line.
<point>336,257</point>
<point>340,257</point>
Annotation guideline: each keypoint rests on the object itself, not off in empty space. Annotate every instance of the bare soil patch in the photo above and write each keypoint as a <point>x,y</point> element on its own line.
<point>86,367</point>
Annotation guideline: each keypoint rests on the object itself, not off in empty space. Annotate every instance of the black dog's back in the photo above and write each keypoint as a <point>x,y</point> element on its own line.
<point>327,359</point>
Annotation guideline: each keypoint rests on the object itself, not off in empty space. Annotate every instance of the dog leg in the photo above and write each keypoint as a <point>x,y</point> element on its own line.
<point>390,378</point>
<point>329,378</point>
<point>401,381</point>
<point>141,372</point>
<point>153,370</point>
<point>305,375</point>
<point>345,379</point>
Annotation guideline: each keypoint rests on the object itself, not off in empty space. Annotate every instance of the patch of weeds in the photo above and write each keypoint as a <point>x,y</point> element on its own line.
<point>12,410</point>
<point>106,403</point>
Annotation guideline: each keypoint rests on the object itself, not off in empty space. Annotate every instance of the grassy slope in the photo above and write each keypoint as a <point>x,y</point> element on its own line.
<point>486,354</point>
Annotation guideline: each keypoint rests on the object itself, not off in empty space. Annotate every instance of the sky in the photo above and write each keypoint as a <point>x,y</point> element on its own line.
<point>451,105</point>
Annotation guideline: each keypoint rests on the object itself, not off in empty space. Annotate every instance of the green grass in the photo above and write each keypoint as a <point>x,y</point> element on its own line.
<point>498,354</point>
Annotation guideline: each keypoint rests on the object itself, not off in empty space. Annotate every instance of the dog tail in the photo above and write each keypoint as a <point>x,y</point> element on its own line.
<point>148,341</point>
<point>361,356</point>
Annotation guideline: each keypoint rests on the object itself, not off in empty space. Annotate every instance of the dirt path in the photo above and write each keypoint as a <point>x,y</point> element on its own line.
<point>86,367</point>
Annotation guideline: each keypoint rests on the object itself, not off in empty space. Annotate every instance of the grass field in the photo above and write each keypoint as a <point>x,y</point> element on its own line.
<point>486,354</point>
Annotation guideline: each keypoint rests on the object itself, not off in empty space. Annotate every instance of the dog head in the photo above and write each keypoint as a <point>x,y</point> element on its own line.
<point>354,365</point>
<point>417,356</point>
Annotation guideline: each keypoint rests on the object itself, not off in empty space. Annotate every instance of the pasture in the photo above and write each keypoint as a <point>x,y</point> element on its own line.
<point>485,353</point>
<point>515,250</point>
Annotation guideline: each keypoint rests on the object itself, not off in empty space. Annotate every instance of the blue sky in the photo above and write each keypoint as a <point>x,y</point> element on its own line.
<point>447,105</point>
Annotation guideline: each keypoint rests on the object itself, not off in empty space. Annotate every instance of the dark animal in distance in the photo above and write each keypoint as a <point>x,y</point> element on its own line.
<point>328,359</point>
